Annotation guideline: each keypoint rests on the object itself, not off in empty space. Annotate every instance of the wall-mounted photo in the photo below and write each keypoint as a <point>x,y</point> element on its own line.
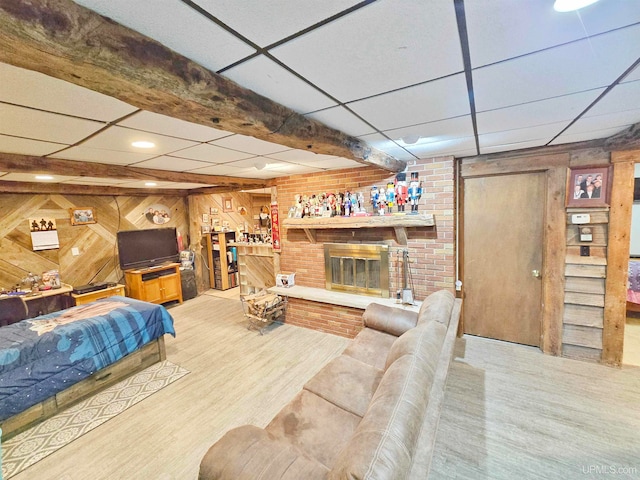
<point>205,229</point>
<point>158,214</point>
<point>227,204</point>
<point>213,211</point>
<point>588,187</point>
<point>83,215</point>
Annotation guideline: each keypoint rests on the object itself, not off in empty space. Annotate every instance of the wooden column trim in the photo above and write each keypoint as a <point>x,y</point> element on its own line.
<point>514,164</point>
<point>618,256</point>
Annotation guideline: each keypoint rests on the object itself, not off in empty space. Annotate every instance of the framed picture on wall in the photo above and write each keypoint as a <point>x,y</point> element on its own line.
<point>227,204</point>
<point>588,187</point>
<point>83,215</point>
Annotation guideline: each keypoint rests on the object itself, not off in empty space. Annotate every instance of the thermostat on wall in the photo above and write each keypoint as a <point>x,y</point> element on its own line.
<point>578,218</point>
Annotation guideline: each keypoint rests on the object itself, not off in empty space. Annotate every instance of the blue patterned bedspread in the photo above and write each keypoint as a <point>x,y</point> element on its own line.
<point>42,356</point>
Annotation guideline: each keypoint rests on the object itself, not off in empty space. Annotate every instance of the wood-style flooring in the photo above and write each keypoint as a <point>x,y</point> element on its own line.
<point>513,413</point>
<point>631,351</point>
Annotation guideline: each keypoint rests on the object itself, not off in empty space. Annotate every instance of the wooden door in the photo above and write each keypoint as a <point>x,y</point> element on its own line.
<point>503,243</point>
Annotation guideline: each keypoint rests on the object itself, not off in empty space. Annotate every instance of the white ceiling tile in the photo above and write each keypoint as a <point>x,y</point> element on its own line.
<point>576,67</point>
<point>292,169</point>
<point>34,89</point>
<point>470,152</point>
<point>31,177</point>
<point>448,129</point>
<point>384,46</point>
<point>28,123</point>
<point>437,100</point>
<point>212,154</point>
<point>380,142</point>
<point>25,146</point>
<point>633,75</point>
<point>270,80</point>
<point>531,114</point>
<point>177,26</point>
<point>541,134</point>
<point>445,147</point>
<point>343,120</point>
<point>246,144</point>
<point>590,135</point>
<point>622,97</point>
<point>223,169</point>
<point>265,23</point>
<point>167,162</point>
<point>500,29</point>
<point>619,120</point>
<point>173,127</point>
<point>99,155</point>
<point>120,138</point>
<point>294,156</point>
<point>511,146</point>
<point>254,162</point>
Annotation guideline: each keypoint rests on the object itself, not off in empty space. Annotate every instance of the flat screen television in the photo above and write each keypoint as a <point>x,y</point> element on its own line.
<point>147,248</point>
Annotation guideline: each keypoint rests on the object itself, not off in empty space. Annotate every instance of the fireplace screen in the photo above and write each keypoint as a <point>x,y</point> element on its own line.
<point>357,268</point>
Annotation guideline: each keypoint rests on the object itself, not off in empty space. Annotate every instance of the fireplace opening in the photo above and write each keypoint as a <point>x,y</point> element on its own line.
<point>357,268</point>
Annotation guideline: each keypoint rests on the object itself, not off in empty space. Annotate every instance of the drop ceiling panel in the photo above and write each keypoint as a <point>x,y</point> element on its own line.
<point>28,123</point>
<point>36,90</point>
<point>269,79</point>
<point>177,26</point>
<point>531,114</point>
<point>244,143</point>
<point>510,146</point>
<point>633,75</point>
<point>25,146</point>
<point>445,147</point>
<point>502,29</point>
<point>572,68</point>
<point>267,22</point>
<point>382,143</point>
<point>167,162</point>
<point>342,119</point>
<point>382,46</point>
<point>448,129</point>
<point>173,127</point>
<point>225,169</point>
<point>120,139</point>
<point>619,120</point>
<point>99,155</point>
<point>623,97</point>
<point>212,154</point>
<point>540,134</point>
<point>428,102</point>
<point>591,135</point>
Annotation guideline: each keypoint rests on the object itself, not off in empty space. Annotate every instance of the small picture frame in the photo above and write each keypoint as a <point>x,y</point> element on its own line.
<point>205,218</point>
<point>83,215</point>
<point>227,204</point>
<point>588,187</point>
<point>213,211</point>
<point>205,229</point>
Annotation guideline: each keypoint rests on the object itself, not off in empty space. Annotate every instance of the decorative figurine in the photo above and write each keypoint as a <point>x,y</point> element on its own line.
<point>361,208</point>
<point>375,196</point>
<point>402,192</point>
<point>331,201</point>
<point>347,204</point>
<point>415,192</point>
<point>353,198</point>
<point>391,195</point>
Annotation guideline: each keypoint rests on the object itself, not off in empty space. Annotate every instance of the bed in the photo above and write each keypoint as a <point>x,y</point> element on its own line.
<point>52,361</point>
<point>633,286</point>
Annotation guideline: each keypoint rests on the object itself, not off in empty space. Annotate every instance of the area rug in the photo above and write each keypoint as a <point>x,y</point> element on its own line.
<point>38,442</point>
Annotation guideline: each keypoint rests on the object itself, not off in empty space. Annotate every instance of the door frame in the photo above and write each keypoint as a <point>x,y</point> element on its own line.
<point>554,166</point>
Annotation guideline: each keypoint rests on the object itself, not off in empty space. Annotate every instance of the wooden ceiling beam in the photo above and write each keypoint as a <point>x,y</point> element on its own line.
<point>65,40</point>
<point>10,162</point>
<point>70,189</point>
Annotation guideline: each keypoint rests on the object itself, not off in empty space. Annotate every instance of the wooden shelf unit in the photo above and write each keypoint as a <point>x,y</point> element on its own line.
<point>255,267</point>
<point>399,223</point>
<point>159,284</point>
<point>223,271</point>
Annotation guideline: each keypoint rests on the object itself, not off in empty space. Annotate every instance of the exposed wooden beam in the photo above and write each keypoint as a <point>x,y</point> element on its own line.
<point>10,162</point>
<point>628,139</point>
<point>70,189</point>
<point>65,40</point>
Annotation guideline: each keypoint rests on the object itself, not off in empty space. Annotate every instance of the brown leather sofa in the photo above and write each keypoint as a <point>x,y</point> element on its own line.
<point>364,415</point>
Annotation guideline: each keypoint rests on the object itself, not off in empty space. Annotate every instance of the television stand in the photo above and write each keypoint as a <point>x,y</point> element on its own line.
<point>157,284</point>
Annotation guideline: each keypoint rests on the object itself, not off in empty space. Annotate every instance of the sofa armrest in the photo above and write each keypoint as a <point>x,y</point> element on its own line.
<point>395,321</point>
<point>251,453</point>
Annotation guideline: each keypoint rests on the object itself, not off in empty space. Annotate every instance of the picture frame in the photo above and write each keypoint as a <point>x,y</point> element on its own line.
<point>227,204</point>
<point>205,218</point>
<point>588,186</point>
<point>205,229</point>
<point>83,215</point>
<point>213,211</point>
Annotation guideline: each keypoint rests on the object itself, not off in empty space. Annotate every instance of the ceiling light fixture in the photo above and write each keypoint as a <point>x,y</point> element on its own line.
<point>410,139</point>
<point>143,144</point>
<point>260,164</point>
<point>44,177</point>
<point>571,5</point>
<point>150,184</point>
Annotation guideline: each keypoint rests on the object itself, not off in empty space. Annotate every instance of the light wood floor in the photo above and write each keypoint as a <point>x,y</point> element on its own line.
<point>513,413</point>
<point>631,352</point>
<point>237,377</point>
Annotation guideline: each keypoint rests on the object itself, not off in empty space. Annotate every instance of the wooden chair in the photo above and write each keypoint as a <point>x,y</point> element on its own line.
<point>12,310</point>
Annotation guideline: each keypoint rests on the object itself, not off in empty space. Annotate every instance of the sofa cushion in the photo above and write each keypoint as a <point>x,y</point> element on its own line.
<point>250,453</point>
<point>438,307</point>
<point>371,347</point>
<point>347,383</point>
<point>317,427</point>
<point>424,341</point>
<point>387,319</point>
<point>383,444</point>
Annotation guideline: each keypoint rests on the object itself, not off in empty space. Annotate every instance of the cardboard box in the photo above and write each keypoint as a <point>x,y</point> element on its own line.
<point>285,279</point>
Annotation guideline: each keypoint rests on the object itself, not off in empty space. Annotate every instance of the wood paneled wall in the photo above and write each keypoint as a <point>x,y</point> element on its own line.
<point>96,242</point>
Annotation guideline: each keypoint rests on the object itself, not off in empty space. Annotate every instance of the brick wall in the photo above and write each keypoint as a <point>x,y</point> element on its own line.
<point>431,250</point>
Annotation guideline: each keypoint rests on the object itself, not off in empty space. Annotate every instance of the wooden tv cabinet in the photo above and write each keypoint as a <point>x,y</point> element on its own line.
<point>159,284</point>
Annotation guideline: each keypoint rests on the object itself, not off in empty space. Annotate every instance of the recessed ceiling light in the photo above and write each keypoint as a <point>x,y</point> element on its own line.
<point>143,144</point>
<point>150,184</point>
<point>44,177</point>
<point>571,5</point>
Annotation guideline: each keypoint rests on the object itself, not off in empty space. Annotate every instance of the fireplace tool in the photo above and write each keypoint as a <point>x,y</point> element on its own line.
<point>407,284</point>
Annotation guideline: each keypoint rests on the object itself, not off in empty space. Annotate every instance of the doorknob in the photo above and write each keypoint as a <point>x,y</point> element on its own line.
<point>536,273</point>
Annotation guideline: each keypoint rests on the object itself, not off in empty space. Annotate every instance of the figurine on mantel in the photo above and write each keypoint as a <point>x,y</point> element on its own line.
<point>391,195</point>
<point>402,192</point>
<point>415,192</point>
<point>375,197</point>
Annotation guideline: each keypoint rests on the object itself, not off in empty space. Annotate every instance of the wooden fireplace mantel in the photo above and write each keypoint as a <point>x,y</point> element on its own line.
<point>399,223</point>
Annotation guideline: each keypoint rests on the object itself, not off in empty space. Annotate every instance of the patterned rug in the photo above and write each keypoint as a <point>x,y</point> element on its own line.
<point>34,444</point>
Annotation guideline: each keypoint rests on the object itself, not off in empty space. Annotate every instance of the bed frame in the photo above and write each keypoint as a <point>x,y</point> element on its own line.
<point>135,362</point>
